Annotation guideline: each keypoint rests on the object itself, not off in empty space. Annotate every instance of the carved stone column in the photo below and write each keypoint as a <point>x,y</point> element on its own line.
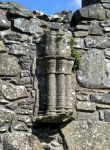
<point>51,86</point>
<point>69,99</point>
<point>61,85</point>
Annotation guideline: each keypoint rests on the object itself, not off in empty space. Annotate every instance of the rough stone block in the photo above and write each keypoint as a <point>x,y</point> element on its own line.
<point>6,65</point>
<point>107,115</point>
<point>87,116</point>
<point>27,26</point>
<point>100,42</point>
<point>86,106</point>
<point>100,98</point>
<point>94,69</point>
<point>4,24</point>
<point>21,140</point>
<point>12,92</point>
<point>83,135</point>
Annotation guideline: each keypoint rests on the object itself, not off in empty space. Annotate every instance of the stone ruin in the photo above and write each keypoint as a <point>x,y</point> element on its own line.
<point>45,104</point>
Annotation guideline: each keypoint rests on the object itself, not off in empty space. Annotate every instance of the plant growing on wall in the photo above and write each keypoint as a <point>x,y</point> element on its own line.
<point>75,54</point>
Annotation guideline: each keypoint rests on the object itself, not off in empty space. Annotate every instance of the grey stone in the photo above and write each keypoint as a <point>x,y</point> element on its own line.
<point>26,119</point>
<point>82,97</point>
<point>27,26</point>
<point>14,36</point>
<point>106,5</point>
<point>21,141</point>
<point>97,42</point>
<point>95,29</point>
<point>82,27</point>
<point>108,14</point>
<point>26,14</point>
<point>12,5</point>
<point>80,33</point>
<point>94,70</point>
<point>79,43</point>
<point>24,111</point>
<point>105,1</point>
<point>105,23</point>
<point>19,49</point>
<point>86,106</point>
<point>6,65</point>
<point>95,11</point>
<point>55,25</point>
<point>107,53</point>
<point>22,81</point>
<point>107,29</point>
<point>94,116</point>
<point>12,106</point>
<point>12,92</point>
<point>100,98</point>
<point>19,126</point>
<point>83,135</point>
<point>25,73</point>
<point>5,116</point>
<point>107,115</point>
<point>4,24</point>
<point>3,101</point>
<point>2,47</point>
<point>25,65</point>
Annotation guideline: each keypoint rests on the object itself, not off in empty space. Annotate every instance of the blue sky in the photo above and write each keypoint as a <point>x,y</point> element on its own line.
<point>49,6</point>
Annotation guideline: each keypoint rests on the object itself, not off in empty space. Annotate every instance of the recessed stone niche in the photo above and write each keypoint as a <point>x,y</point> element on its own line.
<point>54,77</point>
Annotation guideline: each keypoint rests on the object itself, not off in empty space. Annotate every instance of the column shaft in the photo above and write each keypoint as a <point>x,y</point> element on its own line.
<point>51,86</point>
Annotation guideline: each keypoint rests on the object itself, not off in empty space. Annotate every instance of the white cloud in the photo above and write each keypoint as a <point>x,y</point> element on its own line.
<point>76,2</point>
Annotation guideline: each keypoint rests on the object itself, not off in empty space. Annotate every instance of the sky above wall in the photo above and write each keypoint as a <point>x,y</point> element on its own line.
<point>49,6</point>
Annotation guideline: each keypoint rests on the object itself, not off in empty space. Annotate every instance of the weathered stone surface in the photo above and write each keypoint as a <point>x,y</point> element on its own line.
<point>107,29</point>
<point>95,11</point>
<point>100,42</point>
<point>94,116</point>
<point>95,29</point>
<point>79,43</point>
<point>5,116</point>
<point>24,111</point>
<point>26,14</point>
<point>94,70</point>
<point>6,65</point>
<point>2,47</point>
<point>100,98</point>
<point>55,25</point>
<point>106,5</point>
<point>87,106</point>
<point>4,24</point>
<point>12,92</point>
<point>105,23</point>
<point>21,141</point>
<point>80,34</point>
<point>27,26</point>
<point>105,1</point>
<point>82,27</point>
<point>82,135</point>
<point>18,49</point>
<point>107,53</point>
<point>14,36</point>
<point>107,116</point>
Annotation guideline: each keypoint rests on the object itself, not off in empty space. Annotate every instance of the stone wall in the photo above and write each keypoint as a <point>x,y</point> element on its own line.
<point>44,102</point>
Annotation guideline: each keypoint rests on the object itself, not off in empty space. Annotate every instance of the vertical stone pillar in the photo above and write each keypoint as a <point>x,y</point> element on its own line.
<point>51,87</point>
<point>61,85</point>
<point>69,102</point>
